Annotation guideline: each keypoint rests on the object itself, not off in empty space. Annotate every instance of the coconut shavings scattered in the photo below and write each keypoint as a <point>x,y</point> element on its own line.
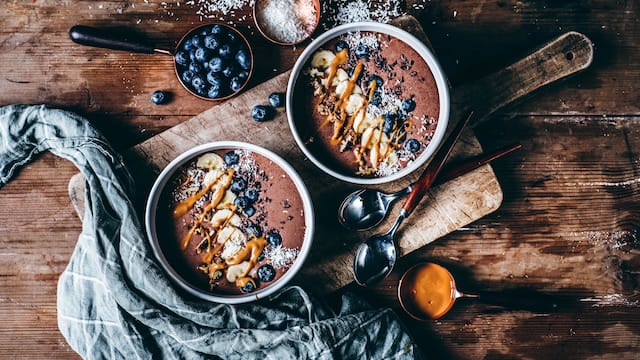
<point>281,257</point>
<point>340,12</point>
<point>210,8</point>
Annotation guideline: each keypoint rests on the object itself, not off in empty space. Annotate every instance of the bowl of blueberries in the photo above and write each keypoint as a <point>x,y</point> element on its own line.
<point>213,61</point>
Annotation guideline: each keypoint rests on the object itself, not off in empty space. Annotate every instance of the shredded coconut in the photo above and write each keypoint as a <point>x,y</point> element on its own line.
<point>209,8</point>
<point>340,12</point>
<point>287,21</point>
<point>281,257</point>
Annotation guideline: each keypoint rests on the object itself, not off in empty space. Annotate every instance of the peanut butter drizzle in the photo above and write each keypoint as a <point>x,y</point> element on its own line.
<point>340,59</point>
<point>215,200</point>
<point>243,281</point>
<point>185,205</point>
<point>341,105</point>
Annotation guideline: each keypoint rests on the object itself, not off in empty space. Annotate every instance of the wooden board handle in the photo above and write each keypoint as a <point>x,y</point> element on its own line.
<point>561,57</point>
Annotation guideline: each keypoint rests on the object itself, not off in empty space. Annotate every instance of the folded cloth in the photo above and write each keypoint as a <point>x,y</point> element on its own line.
<point>115,302</point>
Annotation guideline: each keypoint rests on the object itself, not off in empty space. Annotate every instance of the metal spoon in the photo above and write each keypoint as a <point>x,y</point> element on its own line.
<point>376,257</point>
<point>364,209</point>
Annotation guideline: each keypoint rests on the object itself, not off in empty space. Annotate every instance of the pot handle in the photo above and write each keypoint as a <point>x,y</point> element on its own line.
<point>90,36</point>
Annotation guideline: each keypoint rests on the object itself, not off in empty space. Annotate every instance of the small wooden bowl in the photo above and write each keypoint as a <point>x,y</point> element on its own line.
<point>259,21</point>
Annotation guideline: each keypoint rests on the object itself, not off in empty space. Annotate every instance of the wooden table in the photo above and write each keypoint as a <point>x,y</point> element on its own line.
<point>567,225</point>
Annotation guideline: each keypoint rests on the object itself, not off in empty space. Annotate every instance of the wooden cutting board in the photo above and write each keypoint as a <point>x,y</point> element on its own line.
<point>444,209</point>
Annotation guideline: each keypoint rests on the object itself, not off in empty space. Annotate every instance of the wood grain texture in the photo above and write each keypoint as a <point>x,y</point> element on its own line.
<point>569,220</point>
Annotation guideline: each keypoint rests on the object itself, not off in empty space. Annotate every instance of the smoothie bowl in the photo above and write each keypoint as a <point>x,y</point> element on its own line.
<point>230,222</point>
<point>367,103</point>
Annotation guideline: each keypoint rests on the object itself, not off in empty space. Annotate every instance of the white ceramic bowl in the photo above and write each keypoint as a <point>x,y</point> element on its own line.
<point>421,49</point>
<point>151,216</point>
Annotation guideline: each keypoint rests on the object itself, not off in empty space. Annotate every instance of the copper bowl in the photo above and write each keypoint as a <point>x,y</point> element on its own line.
<point>200,29</point>
<point>259,21</point>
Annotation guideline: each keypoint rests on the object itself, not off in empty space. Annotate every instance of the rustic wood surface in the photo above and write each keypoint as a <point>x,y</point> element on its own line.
<point>567,225</point>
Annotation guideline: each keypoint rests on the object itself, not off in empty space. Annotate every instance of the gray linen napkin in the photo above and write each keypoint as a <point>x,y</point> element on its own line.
<point>115,302</point>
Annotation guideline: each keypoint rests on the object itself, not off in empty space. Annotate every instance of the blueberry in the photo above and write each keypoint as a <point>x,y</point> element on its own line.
<point>249,211</point>
<point>229,71</point>
<point>192,55</point>
<point>243,75</point>
<point>159,97</point>
<point>376,99</point>
<point>214,92</point>
<point>341,45</point>
<point>236,84</point>
<point>225,51</point>
<point>215,79</point>
<point>187,76</point>
<point>182,58</point>
<point>197,82</point>
<point>218,29</point>
<point>231,158</point>
<point>266,273</point>
<point>254,230</point>
<point>276,99</point>
<point>249,288</point>
<point>412,145</point>
<point>216,64</point>
<point>351,70</point>
<point>252,195</point>
<point>196,41</point>
<point>241,202</point>
<point>273,238</point>
<point>362,51</point>
<point>243,59</point>
<point>377,79</point>
<point>261,257</point>
<point>196,67</point>
<point>390,121</point>
<point>203,55</point>
<point>408,105</point>
<point>262,113</point>
<point>187,45</point>
<point>212,42</point>
<point>238,185</point>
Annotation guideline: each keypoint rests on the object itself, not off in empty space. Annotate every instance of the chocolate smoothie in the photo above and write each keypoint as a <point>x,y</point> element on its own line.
<point>372,104</point>
<point>231,222</point>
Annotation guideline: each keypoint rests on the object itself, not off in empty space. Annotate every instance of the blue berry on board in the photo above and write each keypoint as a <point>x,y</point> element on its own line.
<point>249,288</point>
<point>231,158</point>
<point>341,44</point>
<point>361,51</point>
<point>262,113</point>
<point>238,185</point>
<point>273,238</point>
<point>408,105</point>
<point>243,59</point>
<point>160,97</point>
<point>276,99</point>
<point>266,273</point>
<point>412,145</point>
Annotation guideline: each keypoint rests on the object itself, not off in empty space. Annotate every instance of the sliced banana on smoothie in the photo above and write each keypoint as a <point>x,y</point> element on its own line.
<point>322,59</point>
<point>210,161</point>
<point>363,121</point>
<point>237,271</point>
<point>356,101</point>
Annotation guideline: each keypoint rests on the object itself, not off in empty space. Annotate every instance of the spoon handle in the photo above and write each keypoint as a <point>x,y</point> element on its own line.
<point>528,300</point>
<point>429,175</point>
<point>468,166</point>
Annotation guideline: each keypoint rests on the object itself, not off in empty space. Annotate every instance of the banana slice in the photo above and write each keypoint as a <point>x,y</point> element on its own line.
<point>341,87</point>
<point>363,121</point>
<point>377,143</point>
<point>228,199</point>
<point>236,271</point>
<point>357,89</point>
<point>322,59</point>
<point>355,102</point>
<point>341,76</point>
<point>210,161</point>
<point>220,216</point>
